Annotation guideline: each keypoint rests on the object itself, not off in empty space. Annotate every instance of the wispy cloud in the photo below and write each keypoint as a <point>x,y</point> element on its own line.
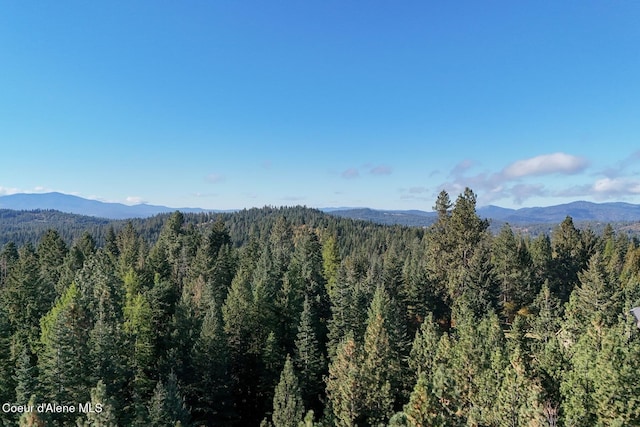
<point>215,178</point>
<point>418,190</point>
<point>546,164</point>
<point>616,186</point>
<point>522,192</point>
<point>381,170</point>
<point>507,183</point>
<point>350,173</point>
<point>203,195</point>
<point>462,167</point>
<point>621,168</point>
<point>5,191</point>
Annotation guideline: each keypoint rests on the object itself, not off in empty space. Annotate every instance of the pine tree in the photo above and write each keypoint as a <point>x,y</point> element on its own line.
<point>7,384</point>
<point>423,408</point>
<point>51,254</point>
<point>63,361</point>
<point>380,369</point>
<point>616,393</point>
<point>102,413</point>
<point>512,267</point>
<point>288,407</point>
<point>8,257</point>
<point>344,386</point>
<point>138,329</point>
<point>423,349</point>
<point>33,418</point>
<point>167,407</point>
<point>27,296</point>
<point>344,318</point>
<point>210,390</point>
<point>569,257</point>
<point>26,373</point>
<point>593,301</point>
<point>330,262</point>
<point>309,361</point>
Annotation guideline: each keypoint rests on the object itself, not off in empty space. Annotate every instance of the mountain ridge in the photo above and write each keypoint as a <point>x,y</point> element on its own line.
<point>79,205</point>
<point>578,210</point>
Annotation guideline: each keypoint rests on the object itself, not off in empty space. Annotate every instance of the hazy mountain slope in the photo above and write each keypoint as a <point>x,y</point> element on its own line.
<point>81,206</point>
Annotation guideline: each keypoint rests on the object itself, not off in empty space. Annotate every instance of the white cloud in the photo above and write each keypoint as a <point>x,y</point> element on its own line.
<point>545,164</point>
<point>136,200</point>
<point>616,186</point>
<point>8,190</point>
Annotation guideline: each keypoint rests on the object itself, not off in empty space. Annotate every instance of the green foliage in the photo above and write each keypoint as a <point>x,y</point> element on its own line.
<point>167,407</point>
<point>308,360</point>
<point>288,408</point>
<point>102,413</point>
<point>186,317</point>
<point>63,361</point>
<point>344,385</point>
<point>379,368</point>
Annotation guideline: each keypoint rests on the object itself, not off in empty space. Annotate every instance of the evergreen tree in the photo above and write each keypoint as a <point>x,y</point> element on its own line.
<point>344,386</point>
<point>423,350</point>
<point>33,418</point>
<point>63,361</point>
<point>309,361</point>
<point>210,391</point>
<point>139,335</point>
<point>8,257</point>
<point>616,391</point>
<point>592,301</point>
<point>7,384</point>
<point>569,257</point>
<point>102,413</point>
<point>380,368</point>
<point>27,296</point>
<point>288,408</point>
<point>330,262</point>
<point>512,266</point>
<point>51,254</point>
<point>344,316</point>
<point>26,374</point>
<point>167,407</point>
<point>423,408</point>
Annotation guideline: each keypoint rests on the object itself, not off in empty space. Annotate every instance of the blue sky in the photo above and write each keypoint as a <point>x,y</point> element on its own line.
<point>223,105</point>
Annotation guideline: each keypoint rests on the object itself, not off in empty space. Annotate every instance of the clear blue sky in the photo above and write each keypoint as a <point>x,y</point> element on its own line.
<point>231,104</point>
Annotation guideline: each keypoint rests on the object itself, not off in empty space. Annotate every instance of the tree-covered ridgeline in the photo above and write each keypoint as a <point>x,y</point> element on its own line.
<point>290,317</point>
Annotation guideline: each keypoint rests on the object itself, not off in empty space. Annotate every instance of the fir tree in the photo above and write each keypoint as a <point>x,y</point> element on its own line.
<point>210,391</point>
<point>102,413</point>
<point>167,407</point>
<point>344,386</point>
<point>288,408</point>
<point>379,369</point>
<point>309,361</point>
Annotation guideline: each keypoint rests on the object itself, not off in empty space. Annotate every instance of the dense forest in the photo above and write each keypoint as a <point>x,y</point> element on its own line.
<point>291,317</point>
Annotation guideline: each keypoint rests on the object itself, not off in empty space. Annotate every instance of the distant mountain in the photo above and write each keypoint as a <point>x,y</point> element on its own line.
<point>411,218</point>
<point>78,205</point>
<point>580,212</point>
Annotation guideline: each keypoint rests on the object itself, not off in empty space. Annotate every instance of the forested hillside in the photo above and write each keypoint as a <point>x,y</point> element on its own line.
<point>291,317</point>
